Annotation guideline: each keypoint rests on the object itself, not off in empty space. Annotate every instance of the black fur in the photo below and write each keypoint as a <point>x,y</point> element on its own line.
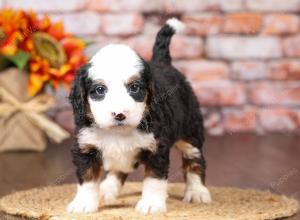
<point>174,115</point>
<point>78,97</point>
<point>161,52</point>
<point>90,159</point>
<point>172,110</point>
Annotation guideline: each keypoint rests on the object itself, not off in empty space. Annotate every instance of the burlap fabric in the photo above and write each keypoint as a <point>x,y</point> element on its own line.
<point>23,124</point>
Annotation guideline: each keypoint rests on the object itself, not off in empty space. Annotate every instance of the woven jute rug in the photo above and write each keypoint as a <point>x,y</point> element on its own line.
<point>228,203</point>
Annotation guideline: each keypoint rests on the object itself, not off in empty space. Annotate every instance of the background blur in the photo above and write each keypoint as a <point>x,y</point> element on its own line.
<point>241,56</point>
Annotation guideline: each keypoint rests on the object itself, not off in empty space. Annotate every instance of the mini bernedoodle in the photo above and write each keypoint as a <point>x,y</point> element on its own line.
<point>130,112</point>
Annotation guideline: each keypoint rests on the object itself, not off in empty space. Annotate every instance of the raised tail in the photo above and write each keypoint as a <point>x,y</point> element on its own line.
<point>161,52</point>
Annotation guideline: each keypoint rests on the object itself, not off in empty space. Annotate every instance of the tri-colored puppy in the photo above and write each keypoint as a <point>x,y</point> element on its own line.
<point>130,112</point>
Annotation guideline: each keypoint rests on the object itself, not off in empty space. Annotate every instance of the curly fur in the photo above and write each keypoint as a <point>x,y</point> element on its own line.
<point>172,115</point>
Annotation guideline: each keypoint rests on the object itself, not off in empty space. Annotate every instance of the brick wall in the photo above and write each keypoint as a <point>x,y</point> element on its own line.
<point>241,56</point>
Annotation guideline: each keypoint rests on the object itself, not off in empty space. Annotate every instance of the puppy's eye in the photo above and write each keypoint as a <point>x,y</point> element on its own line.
<point>134,88</point>
<point>100,90</point>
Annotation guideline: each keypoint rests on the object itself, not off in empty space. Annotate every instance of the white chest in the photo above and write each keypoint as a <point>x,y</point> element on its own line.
<point>119,149</point>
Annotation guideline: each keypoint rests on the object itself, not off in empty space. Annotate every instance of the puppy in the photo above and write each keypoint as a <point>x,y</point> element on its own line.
<point>130,112</point>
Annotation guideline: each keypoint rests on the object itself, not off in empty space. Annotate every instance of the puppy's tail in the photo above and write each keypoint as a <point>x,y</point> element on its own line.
<point>161,52</point>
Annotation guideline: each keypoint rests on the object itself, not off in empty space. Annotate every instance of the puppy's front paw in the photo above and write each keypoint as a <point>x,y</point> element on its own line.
<point>110,187</point>
<point>82,206</point>
<point>151,206</point>
<point>86,199</point>
<point>197,195</point>
<point>108,192</point>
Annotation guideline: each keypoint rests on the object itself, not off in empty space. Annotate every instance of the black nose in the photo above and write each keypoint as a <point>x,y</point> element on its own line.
<point>120,117</point>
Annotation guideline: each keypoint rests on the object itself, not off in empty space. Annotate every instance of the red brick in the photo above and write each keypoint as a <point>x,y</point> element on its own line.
<point>248,70</point>
<point>281,24</point>
<point>239,120</point>
<point>202,24</point>
<point>142,44</point>
<point>202,70</point>
<point>284,70</point>
<point>231,48</point>
<point>49,6</point>
<point>212,122</point>
<point>232,5</point>
<point>122,24</point>
<point>152,25</point>
<point>87,23</point>
<point>172,6</point>
<point>278,120</point>
<point>242,23</point>
<point>220,93</point>
<point>125,5</point>
<point>186,47</point>
<point>291,46</point>
<point>65,119</point>
<point>276,93</point>
<point>298,119</point>
<point>181,46</point>
<point>99,42</point>
<point>273,5</point>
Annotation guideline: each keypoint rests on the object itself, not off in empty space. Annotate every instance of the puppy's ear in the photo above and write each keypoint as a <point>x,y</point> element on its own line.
<point>147,74</point>
<point>78,97</point>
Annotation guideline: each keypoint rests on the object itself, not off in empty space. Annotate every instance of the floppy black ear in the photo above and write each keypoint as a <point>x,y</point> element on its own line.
<point>78,97</point>
<point>146,74</point>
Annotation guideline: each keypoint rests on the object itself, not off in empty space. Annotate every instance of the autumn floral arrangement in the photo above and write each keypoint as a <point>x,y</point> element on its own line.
<point>42,55</point>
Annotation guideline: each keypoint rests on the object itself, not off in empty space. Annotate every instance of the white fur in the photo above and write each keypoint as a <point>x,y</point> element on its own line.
<point>119,149</point>
<point>114,65</point>
<point>195,190</point>
<point>177,25</point>
<point>86,199</point>
<point>110,188</point>
<point>115,62</point>
<point>154,196</point>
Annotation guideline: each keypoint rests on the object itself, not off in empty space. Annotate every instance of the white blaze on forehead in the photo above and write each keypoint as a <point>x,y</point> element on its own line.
<point>115,61</point>
<point>116,65</point>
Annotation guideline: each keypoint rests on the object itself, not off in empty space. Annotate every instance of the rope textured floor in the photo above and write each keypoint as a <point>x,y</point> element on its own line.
<point>228,204</point>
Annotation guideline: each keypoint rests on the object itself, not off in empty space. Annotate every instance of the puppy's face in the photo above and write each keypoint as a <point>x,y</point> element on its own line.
<point>118,87</point>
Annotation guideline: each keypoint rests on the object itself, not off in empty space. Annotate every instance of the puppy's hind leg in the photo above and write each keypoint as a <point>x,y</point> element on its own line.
<point>194,173</point>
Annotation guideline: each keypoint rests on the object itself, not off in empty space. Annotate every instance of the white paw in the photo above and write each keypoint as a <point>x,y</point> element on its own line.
<point>151,206</point>
<point>108,194</point>
<point>86,199</point>
<point>197,195</point>
<point>110,189</point>
<point>82,206</point>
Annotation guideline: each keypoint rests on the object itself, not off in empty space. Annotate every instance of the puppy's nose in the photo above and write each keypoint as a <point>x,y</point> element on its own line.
<point>120,117</point>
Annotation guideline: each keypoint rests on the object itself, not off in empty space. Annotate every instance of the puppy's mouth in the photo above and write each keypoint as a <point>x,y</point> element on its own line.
<point>120,126</point>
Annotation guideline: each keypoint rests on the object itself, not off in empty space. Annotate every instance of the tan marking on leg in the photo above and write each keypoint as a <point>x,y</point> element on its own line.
<point>191,159</point>
<point>93,173</point>
<point>193,165</point>
<point>188,150</point>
